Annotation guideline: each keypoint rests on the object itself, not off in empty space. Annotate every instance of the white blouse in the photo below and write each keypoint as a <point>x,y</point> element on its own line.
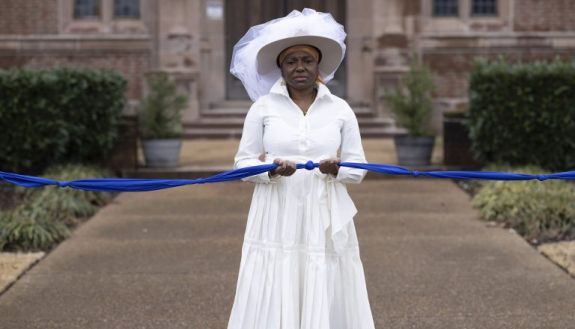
<point>277,128</point>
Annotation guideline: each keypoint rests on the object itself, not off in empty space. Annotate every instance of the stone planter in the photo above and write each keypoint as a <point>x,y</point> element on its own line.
<point>124,155</point>
<point>162,153</point>
<point>414,150</point>
<point>457,144</point>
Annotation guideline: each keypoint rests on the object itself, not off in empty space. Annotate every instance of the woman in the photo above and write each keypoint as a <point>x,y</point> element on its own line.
<point>300,265</point>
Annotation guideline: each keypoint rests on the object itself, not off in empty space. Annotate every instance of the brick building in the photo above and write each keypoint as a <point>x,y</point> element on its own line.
<point>192,39</point>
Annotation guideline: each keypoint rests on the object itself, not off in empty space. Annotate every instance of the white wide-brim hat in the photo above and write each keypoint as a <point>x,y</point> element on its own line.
<point>331,53</point>
<point>254,56</point>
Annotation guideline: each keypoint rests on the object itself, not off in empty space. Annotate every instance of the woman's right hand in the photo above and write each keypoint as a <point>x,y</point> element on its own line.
<point>285,168</point>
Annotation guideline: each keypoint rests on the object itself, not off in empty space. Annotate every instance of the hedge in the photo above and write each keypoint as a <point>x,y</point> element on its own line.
<point>523,114</point>
<point>57,116</point>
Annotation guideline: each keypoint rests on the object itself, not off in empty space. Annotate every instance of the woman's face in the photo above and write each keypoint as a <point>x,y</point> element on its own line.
<point>300,70</point>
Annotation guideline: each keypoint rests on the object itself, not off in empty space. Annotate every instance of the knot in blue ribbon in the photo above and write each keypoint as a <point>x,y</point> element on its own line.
<point>415,173</point>
<point>541,177</point>
<point>62,184</point>
<point>309,165</point>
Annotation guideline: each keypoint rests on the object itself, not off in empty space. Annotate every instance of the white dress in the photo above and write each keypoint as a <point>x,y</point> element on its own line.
<point>300,265</point>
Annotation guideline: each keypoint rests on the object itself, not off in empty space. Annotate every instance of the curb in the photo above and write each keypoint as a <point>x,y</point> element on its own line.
<point>14,265</point>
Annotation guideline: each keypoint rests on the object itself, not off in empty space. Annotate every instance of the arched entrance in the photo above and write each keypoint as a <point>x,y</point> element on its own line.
<point>242,14</point>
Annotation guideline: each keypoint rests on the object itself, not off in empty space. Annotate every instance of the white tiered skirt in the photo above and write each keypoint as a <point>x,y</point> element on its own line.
<point>300,265</point>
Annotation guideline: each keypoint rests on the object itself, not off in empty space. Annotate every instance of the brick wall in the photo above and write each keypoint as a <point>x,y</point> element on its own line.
<point>28,17</point>
<point>8,61</point>
<point>451,70</point>
<point>544,15</point>
<point>131,65</point>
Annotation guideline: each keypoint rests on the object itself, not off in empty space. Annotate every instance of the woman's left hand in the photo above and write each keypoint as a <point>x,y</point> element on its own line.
<point>329,166</point>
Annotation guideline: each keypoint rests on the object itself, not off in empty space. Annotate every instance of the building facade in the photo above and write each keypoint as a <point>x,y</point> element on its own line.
<point>193,40</point>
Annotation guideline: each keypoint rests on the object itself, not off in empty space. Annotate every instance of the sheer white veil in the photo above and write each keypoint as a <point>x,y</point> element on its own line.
<point>307,22</point>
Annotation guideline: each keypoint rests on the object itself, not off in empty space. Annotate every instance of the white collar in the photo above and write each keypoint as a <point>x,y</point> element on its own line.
<point>280,88</point>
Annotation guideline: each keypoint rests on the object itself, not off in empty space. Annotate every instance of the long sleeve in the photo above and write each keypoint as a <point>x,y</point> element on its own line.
<point>351,151</point>
<point>251,144</point>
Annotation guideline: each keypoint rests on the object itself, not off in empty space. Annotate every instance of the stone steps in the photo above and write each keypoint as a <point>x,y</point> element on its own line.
<point>234,110</point>
<point>226,121</point>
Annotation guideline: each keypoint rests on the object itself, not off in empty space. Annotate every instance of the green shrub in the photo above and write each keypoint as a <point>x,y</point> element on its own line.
<point>539,211</point>
<point>47,214</point>
<point>161,112</point>
<point>74,171</point>
<point>413,104</point>
<point>60,203</point>
<point>30,229</point>
<point>68,172</point>
<point>68,203</point>
<point>523,114</point>
<point>57,116</point>
<point>3,221</point>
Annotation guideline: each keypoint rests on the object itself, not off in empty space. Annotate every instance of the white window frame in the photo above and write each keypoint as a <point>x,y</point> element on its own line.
<point>96,17</point>
<point>106,23</point>
<point>126,17</point>
<point>484,15</point>
<point>463,22</point>
<point>443,16</point>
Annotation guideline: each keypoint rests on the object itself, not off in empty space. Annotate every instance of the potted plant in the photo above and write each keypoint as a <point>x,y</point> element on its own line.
<point>161,121</point>
<point>412,106</point>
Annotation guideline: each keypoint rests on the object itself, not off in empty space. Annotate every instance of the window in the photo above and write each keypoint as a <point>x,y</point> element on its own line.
<point>484,8</point>
<point>127,8</point>
<point>86,8</point>
<point>445,8</point>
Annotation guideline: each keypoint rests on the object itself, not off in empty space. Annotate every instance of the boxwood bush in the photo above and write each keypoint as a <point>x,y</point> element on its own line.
<point>57,116</point>
<point>539,211</point>
<point>523,114</point>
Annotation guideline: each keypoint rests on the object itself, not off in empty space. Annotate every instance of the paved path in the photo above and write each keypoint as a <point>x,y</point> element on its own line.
<point>169,259</point>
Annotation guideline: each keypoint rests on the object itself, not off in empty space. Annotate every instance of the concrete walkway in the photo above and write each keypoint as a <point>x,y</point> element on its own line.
<point>169,259</point>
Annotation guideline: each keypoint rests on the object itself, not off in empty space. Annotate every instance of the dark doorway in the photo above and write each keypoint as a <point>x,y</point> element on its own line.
<point>242,14</point>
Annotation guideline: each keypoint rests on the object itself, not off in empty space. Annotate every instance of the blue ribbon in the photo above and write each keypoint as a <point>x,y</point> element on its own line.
<point>140,185</point>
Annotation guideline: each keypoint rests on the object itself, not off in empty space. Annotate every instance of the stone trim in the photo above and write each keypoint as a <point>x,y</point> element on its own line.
<point>75,44</point>
<point>503,34</point>
<point>508,40</point>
